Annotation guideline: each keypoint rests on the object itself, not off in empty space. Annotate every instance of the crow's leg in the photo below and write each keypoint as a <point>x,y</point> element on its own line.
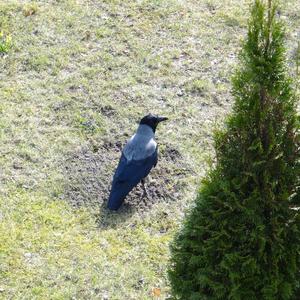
<point>143,182</point>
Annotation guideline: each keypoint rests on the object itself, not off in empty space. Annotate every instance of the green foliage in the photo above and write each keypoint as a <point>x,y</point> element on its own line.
<point>241,240</point>
<point>5,36</point>
<point>5,43</point>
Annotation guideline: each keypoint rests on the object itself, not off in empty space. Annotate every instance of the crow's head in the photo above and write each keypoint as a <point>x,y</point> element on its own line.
<point>152,121</point>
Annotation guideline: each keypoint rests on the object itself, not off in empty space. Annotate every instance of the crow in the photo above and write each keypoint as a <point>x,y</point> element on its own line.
<point>138,157</point>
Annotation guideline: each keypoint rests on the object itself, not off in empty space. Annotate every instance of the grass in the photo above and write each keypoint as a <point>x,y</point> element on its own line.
<point>5,42</point>
<point>73,84</point>
<point>50,250</point>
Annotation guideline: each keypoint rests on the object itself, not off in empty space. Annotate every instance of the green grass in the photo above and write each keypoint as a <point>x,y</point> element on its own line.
<point>49,250</point>
<point>5,42</point>
<point>75,80</point>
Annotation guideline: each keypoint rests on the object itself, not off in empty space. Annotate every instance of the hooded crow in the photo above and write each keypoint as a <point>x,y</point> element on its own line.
<point>139,156</point>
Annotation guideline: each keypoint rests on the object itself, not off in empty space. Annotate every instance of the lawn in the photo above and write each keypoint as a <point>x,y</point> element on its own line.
<point>75,78</point>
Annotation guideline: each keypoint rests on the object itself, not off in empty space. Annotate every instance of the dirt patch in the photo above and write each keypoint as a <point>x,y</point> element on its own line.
<point>172,154</point>
<point>107,111</point>
<point>88,172</point>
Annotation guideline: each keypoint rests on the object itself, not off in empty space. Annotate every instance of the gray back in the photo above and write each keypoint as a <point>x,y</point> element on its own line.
<point>141,144</point>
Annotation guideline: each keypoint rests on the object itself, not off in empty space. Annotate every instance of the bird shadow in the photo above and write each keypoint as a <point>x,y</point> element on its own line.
<point>107,218</point>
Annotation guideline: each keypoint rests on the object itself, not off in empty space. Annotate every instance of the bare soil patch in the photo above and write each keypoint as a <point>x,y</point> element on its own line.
<point>88,172</point>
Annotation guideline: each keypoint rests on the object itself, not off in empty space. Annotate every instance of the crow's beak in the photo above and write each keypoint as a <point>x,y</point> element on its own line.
<point>160,119</point>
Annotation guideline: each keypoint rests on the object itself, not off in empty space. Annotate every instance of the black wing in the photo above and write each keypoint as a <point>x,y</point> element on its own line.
<point>128,174</point>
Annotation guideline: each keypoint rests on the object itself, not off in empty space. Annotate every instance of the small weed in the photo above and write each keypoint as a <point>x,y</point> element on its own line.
<point>30,9</point>
<point>5,42</point>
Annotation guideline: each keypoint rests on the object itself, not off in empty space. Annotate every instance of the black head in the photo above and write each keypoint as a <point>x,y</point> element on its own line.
<point>152,121</point>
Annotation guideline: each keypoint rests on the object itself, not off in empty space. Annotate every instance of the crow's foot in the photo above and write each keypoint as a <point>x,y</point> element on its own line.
<point>145,193</point>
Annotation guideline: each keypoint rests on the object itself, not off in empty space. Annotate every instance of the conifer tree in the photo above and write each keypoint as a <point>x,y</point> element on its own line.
<point>241,241</point>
